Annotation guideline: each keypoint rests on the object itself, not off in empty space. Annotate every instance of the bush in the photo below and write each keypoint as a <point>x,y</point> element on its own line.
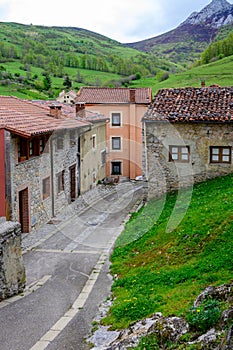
<point>205,316</point>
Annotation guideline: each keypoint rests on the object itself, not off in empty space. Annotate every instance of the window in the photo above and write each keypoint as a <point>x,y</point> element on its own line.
<point>60,181</point>
<point>42,145</point>
<point>103,157</point>
<point>93,141</point>
<point>220,155</point>
<point>72,138</point>
<point>116,168</point>
<point>31,148</point>
<point>179,154</point>
<point>22,150</point>
<point>60,142</point>
<point>116,119</point>
<point>94,178</point>
<point>116,143</point>
<point>46,187</point>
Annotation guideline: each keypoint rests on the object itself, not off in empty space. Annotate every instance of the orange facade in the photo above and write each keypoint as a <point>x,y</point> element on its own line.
<point>125,109</point>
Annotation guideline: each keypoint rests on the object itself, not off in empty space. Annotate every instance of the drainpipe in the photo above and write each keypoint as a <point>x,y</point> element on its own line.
<point>52,176</point>
<point>2,175</point>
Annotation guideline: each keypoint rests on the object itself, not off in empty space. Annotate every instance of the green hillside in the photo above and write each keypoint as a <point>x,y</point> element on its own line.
<point>38,60</point>
<point>219,72</point>
<point>161,271</point>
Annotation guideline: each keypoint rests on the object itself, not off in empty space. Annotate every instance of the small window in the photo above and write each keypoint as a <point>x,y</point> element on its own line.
<point>94,178</point>
<point>60,181</point>
<point>31,149</point>
<point>220,155</point>
<point>46,187</point>
<point>116,168</point>
<point>60,142</point>
<point>116,119</point>
<point>179,154</point>
<point>22,150</point>
<point>42,145</point>
<point>93,141</point>
<point>103,157</point>
<point>116,143</point>
<point>72,138</point>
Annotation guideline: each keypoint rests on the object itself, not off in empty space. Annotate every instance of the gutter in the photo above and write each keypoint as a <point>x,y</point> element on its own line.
<point>52,177</point>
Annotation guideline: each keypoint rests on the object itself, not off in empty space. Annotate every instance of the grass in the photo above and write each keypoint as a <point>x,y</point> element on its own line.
<point>219,72</point>
<point>165,272</point>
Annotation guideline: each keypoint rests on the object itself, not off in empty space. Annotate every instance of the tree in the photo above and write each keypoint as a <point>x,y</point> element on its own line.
<point>67,82</point>
<point>47,82</point>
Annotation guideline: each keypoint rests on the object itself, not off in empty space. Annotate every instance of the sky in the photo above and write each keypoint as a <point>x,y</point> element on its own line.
<point>126,21</point>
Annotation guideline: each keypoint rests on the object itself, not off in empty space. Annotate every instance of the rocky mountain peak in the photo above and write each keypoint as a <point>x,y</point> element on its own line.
<point>218,13</point>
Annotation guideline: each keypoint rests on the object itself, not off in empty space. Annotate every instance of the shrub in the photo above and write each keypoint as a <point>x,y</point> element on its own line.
<point>205,316</point>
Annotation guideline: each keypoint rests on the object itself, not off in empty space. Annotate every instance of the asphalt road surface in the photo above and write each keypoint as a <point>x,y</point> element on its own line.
<point>67,277</point>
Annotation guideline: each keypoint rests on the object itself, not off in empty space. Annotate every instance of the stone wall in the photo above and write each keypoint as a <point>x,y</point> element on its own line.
<point>30,174</point>
<point>163,175</point>
<point>12,272</point>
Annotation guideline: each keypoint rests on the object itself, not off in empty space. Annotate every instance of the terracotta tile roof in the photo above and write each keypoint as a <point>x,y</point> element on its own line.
<point>101,95</point>
<point>28,119</point>
<point>70,111</point>
<point>210,104</point>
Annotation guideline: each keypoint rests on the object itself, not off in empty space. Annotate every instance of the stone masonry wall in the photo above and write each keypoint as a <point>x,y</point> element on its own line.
<point>30,174</point>
<point>12,272</point>
<point>163,175</point>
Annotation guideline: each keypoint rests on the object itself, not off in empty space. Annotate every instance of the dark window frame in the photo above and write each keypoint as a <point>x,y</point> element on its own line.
<point>113,116</point>
<point>103,157</point>
<point>220,154</point>
<point>46,187</point>
<point>60,143</point>
<point>61,181</point>
<point>116,164</point>
<point>32,148</point>
<point>179,154</point>
<point>114,138</point>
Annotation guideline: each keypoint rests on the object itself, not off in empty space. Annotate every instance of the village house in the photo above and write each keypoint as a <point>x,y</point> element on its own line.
<point>43,159</point>
<point>188,137</point>
<point>125,108</point>
<point>67,97</point>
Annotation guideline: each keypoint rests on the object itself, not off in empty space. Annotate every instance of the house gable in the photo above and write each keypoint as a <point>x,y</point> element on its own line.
<point>188,137</point>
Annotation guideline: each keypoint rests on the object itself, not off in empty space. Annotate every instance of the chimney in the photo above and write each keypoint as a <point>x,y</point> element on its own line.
<point>80,110</point>
<point>132,95</point>
<point>55,111</point>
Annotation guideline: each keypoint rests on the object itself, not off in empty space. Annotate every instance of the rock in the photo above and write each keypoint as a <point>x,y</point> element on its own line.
<point>103,337</point>
<point>170,328</point>
<point>206,339</point>
<point>227,343</point>
<point>226,317</point>
<point>223,292</point>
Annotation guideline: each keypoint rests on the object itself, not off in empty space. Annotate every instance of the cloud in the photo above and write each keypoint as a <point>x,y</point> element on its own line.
<point>122,20</point>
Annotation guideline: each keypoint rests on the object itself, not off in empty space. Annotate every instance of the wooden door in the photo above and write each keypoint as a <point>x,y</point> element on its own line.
<point>73,183</point>
<point>24,210</point>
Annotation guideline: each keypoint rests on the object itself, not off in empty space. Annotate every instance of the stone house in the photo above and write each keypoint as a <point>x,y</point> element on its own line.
<point>188,137</point>
<point>125,108</point>
<point>67,97</point>
<point>43,159</point>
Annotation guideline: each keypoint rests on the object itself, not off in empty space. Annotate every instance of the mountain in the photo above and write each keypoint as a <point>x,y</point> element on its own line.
<point>215,15</point>
<point>185,43</point>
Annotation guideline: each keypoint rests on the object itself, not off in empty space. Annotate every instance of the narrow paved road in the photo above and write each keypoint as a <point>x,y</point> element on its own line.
<point>67,278</point>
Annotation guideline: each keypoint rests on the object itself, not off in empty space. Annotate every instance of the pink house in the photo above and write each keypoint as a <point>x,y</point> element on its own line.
<point>125,108</point>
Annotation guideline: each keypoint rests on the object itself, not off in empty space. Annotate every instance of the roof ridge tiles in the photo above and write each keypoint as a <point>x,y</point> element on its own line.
<point>193,104</point>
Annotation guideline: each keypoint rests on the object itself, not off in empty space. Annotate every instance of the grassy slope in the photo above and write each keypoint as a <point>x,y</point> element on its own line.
<point>164,272</point>
<point>219,72</point>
